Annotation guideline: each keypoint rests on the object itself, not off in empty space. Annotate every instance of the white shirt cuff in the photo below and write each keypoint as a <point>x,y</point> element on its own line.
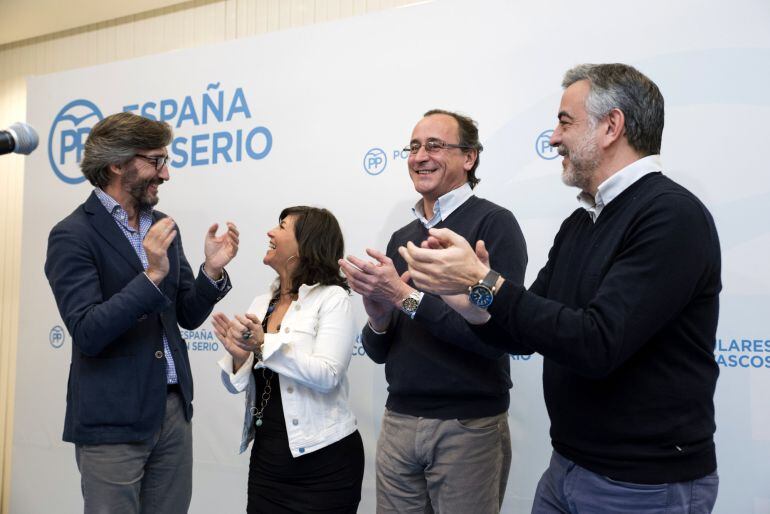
<point>239,379</point>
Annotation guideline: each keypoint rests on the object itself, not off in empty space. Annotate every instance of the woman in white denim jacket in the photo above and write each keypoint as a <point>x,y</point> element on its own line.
<point>290,353</point>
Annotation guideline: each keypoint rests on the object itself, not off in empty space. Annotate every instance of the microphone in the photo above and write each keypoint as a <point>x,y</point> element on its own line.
<point>19,138</point>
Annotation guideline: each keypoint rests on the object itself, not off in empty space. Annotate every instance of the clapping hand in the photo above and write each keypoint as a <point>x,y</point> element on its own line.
<point>446,263</point>
<point>219,250</point>
<point>156,243</point>
<point>241,336</point>
<point>378,283</point>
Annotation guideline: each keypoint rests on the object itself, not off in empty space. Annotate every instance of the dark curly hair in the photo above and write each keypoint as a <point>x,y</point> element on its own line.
<point>320,244</point>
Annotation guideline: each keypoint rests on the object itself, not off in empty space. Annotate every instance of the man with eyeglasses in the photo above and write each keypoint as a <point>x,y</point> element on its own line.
<point>444,445</point>
<point>624,312</point>
<point>123,287</point>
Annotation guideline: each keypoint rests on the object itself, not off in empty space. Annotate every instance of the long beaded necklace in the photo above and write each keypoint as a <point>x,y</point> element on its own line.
<point>259,412</point>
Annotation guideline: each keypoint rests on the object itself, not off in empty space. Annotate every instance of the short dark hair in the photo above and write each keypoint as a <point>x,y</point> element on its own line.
<point>116,139</point>
<point>468,133</point>
<point>320,244</point>
<point>620,86</point>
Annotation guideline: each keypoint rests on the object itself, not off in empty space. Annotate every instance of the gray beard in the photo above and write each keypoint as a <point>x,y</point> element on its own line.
<point>583,162</point>
<point>137,190</point>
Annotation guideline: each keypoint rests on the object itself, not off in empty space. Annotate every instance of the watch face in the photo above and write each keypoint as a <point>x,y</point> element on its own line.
<point>409,304</point>
<point>481,296</point>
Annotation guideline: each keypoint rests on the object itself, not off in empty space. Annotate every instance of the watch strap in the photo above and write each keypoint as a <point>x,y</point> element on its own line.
<point>490,280</point>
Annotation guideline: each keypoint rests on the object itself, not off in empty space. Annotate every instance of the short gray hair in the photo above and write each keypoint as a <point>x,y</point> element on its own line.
<point>620,86</point>
<point>116,139</point>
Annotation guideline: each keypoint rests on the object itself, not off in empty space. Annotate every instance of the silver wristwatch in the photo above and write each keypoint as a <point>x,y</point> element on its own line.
<point>410,303</point>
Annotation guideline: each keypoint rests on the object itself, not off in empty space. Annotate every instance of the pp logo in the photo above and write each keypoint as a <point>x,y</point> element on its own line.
<point>375,161</point>
<point>68,137</point>
<point>56,336</point>
<point>543,146</point>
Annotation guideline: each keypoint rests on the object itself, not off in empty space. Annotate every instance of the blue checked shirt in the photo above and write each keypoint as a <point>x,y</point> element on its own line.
<point>135,238</point>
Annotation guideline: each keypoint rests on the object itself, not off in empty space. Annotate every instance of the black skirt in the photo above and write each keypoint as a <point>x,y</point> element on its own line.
<point>324,481</point>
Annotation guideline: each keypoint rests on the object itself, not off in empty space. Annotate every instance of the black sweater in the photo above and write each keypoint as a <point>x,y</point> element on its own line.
<point>625,314</point>
<point>435,365</point>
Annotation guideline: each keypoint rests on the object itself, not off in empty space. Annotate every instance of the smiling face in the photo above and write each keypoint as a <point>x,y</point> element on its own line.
<point>435,174</point>
<point>282,246</point>
<point>576,139</point>
<point>141,180</point>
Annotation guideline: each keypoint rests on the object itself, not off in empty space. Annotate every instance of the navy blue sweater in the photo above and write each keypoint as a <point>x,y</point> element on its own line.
<point>435,365</point>
<point>625,314</point>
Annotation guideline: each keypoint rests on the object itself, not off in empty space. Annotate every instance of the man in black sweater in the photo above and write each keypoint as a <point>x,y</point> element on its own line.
<point>624,312</point>
<point>444,444</point>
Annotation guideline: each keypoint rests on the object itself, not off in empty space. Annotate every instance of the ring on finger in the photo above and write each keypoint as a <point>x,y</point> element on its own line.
<point>246,334</point>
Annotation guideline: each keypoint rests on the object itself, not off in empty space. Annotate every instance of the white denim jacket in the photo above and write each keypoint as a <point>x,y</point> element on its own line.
<point>311,354</point>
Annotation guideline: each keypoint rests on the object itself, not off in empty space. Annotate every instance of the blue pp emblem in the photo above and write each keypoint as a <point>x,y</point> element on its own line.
<point>375,161</point>
<point>67,139</point>
<point>56,336</point>
<point>543,146</point>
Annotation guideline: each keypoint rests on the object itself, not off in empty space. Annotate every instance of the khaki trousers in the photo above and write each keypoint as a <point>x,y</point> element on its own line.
<point>442,466</point>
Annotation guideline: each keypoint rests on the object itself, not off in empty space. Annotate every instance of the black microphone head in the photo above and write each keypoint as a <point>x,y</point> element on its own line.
<point>25,137</point>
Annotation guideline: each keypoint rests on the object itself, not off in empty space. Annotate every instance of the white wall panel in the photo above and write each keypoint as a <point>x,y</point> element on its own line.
<point>183,26</point>
<point>703,111</point>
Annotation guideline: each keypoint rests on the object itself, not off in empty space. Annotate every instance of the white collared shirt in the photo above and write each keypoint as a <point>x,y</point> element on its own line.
<point>617,183</point>
<point>444,206</point>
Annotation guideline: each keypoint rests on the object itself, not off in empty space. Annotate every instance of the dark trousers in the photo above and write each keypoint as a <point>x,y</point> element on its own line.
<point>568,488</point>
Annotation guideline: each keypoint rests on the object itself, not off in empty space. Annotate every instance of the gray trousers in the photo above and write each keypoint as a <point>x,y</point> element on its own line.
<point>148,477</point>
<point>442,466</point>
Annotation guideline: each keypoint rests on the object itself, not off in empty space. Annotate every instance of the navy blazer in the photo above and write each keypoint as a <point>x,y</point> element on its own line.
<point>115,315</point>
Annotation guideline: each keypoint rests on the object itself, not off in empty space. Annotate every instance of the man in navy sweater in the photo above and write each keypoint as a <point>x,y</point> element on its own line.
<point>444,444</point>
<point>624,311</point>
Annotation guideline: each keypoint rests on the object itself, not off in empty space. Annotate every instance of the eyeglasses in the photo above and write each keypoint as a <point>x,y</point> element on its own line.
<point>157,160</point>
<point>433,146</point>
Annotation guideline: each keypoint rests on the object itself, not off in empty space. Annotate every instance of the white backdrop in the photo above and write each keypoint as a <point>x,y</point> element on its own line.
<point>306,116</point>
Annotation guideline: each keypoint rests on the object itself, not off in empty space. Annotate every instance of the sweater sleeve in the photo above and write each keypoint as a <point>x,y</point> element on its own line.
<point>666,257</point>
<point>508,255</point>
<point>376,344</point>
